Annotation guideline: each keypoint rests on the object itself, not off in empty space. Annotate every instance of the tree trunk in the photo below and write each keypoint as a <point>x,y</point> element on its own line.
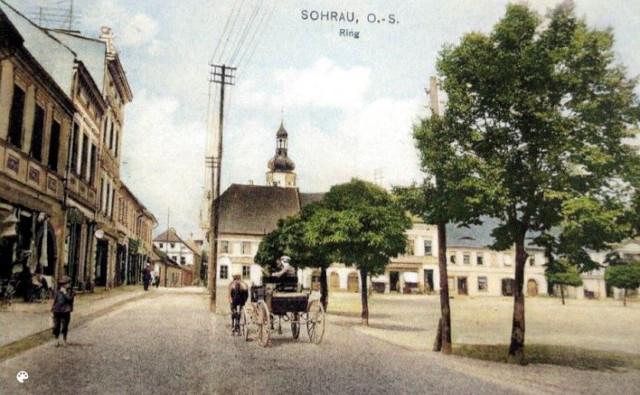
<point>516,348</point>
<point>363,295</point>
<point>443,338</point>
<point>437,344</point>
<point>324,288</point>
<point>562,293</point>
<point>624,297</point>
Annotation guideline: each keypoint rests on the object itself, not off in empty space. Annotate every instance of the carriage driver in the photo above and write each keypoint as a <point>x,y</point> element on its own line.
<point>285,267</point>
<point>238,295</point>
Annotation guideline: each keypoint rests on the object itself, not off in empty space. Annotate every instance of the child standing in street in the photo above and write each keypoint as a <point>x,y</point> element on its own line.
<point>62,308</point>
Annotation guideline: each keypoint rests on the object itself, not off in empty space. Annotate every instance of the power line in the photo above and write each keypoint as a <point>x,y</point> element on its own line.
<point>246,30</point>
<point>253,43</point>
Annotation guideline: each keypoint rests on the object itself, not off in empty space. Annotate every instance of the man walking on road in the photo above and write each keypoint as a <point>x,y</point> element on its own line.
<point>146,277</point>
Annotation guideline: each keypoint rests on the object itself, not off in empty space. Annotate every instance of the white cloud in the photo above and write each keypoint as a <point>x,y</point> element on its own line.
<point>324,85</point>
<point>139,30</point>
<point>163,159</point>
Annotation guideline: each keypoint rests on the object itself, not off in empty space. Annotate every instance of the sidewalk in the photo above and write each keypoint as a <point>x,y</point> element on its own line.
<point>21,320</point>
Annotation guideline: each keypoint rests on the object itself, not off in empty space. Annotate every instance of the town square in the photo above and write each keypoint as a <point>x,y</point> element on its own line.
<point>259,196</point>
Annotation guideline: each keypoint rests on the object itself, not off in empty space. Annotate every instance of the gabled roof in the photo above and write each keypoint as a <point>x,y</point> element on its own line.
<point>255,209</point>
<point>158,254</point>
<point>169,236</point>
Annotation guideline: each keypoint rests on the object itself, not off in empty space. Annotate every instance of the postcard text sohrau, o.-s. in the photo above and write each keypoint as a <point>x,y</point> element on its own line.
<point>346,17</point>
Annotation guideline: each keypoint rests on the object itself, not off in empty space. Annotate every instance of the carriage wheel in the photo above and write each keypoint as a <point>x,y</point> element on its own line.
<point>243,324</point>
<point>295,325</point>
<point>248,327</point>
<point>315,321</point>
<point>264,323</point>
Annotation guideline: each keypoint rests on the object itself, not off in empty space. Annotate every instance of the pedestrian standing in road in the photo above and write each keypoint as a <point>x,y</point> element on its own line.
<point>238,295</point>
<point>146,276</point>
<point>61,309</point>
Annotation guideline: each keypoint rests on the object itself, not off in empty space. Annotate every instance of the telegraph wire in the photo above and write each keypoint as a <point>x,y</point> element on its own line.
<point>231,32</point>
<point>245,32</point>
<point>224,32</point>
<point>255,43</point>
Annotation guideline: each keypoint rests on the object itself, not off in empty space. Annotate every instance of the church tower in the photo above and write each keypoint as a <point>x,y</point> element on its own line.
<point>281,167</point>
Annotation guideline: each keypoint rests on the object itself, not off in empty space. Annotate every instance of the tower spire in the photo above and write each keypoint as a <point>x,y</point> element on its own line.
<point>281,166</point>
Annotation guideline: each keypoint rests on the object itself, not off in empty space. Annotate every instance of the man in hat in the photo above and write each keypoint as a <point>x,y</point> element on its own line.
<point>238,295</point>
<point>285,267</point>
<point>62,308</point>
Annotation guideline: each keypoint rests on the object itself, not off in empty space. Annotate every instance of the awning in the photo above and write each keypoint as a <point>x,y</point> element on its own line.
<point>410,277</point>
<point>379,279</point>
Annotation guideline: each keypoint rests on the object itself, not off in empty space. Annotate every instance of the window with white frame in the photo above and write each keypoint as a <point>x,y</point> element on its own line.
<point>246,272</point>
<point>224,272</point>
<point>246,247</point>
<point>428,248</point>
<point>532,260</point>
<point>452,259</point>
<point>479,258</point>
<point>466,258</point>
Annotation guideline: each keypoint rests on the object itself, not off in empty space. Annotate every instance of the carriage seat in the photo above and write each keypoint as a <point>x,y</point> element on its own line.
<point>283,283</point>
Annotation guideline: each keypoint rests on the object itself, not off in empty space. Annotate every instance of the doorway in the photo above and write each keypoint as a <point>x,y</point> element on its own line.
<point>428,280</point>
<point>394,281</point>
<point>462,286</point>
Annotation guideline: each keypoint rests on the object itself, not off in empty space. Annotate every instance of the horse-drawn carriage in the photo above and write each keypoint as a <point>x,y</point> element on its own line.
<point>278,300</point>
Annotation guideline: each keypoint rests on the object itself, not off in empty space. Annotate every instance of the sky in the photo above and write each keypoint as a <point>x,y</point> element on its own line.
<point>348,91</point>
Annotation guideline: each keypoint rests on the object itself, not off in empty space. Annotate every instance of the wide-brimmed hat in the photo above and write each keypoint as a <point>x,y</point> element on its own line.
<point>285,259</point>
<point>64,280</point>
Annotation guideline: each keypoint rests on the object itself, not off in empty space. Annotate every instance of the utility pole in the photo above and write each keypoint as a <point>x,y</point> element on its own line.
<point>222,75</point>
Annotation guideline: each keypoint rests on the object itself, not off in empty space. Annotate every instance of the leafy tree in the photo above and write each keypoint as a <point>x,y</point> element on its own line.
<point>624,277</point>
<point>564,274</point>
<point>544,109</point>
<point>447,194</point>
<point>364,227</point>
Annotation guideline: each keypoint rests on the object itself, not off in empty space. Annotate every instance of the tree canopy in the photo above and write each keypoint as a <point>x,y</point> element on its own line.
<point>626,277</point>
<point>542,109</point>
<point>364,226</point>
